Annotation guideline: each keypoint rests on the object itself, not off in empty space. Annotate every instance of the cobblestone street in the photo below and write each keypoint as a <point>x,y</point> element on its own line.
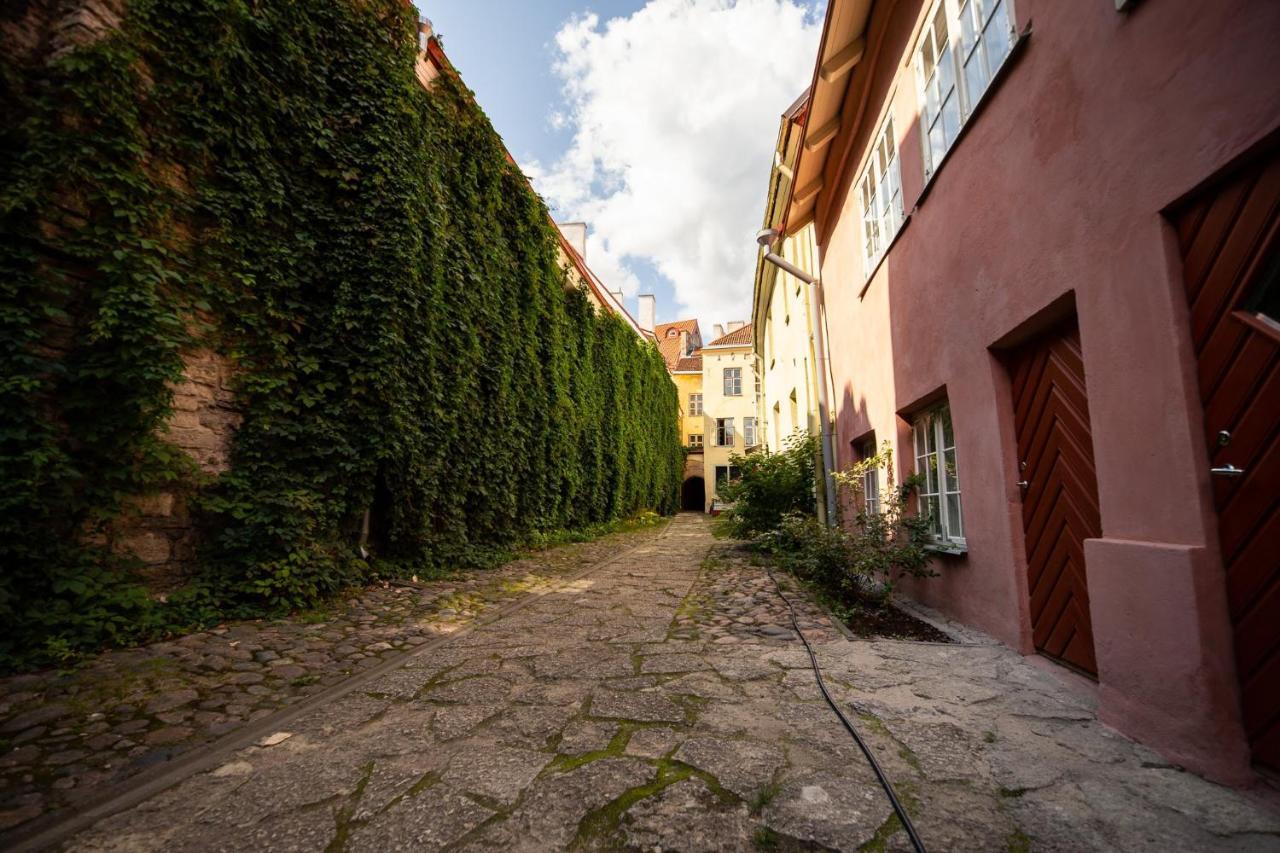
<point>659,701</point>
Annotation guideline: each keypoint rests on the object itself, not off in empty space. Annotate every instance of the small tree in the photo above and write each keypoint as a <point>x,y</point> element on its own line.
<point>886,545</point>
<point>769,486</point>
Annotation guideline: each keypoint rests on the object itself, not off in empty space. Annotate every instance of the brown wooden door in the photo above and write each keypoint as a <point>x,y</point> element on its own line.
<point>1231,264</point>
<point>1060,495</point>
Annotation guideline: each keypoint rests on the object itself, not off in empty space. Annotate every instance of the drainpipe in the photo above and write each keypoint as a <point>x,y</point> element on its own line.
<point>818,338</point>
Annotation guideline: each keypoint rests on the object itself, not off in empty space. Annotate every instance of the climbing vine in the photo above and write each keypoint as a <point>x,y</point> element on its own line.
<point>277,186</point>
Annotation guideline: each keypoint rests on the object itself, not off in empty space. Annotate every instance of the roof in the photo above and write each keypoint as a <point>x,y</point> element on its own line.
<point>689,364</point>
<point>740,337</point>
<point>668,335</point>
<point>840,52</point>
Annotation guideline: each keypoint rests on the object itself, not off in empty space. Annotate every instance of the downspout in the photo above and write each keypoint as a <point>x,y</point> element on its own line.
<point>817,336</point>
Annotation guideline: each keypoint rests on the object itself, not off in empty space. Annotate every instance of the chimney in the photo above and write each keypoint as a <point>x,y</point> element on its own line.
<point>647,307</point>
<point>717,332</point>
<point>684,343</point>
<point>576,234</point>
<point>735,325</point>
<point>616,294</point>
<point>425,32</point>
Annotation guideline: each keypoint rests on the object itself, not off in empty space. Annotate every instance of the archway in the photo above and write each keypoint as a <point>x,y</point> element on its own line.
<point>693,495</point>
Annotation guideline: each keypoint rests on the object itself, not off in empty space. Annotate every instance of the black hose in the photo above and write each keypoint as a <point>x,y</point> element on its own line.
<point>871,759</point>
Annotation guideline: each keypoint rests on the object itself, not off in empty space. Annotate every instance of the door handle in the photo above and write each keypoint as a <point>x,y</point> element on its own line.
<point>1022,484</point>
<point>1227,471</point>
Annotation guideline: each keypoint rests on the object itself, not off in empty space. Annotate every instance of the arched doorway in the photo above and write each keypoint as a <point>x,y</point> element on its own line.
<point>693,495</point>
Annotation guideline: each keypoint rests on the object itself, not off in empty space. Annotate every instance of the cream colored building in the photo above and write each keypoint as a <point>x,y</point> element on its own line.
<point>730,405</point>
<point>783,322</point>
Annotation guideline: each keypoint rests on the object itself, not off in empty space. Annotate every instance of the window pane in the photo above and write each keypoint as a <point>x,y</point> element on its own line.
<point>952,475</point>
<point>951,118</point>
<point>946,74</point>
<point>926,55</point>
<point>931,473</point>
<point>955,524</point>
<point>930,436</point>
<point>948,435</point>
<point>997,36</point>
<point>968,30</point>
<point>935,520</point>
<point>940,24</point>
<point>975,76</point>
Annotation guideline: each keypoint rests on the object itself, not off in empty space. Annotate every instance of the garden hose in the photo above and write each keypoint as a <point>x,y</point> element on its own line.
<point>871,759</point>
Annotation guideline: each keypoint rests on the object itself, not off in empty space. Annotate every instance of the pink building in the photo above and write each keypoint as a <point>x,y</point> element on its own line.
<point>1050,252</point>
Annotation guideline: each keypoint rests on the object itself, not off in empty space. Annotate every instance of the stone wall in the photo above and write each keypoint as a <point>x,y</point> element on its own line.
<point>159,528</point>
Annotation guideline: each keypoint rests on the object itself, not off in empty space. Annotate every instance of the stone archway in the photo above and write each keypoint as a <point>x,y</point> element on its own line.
<point>693,495</point>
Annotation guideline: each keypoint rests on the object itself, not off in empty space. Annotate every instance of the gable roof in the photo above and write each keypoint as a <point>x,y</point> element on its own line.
<point>739,337</point>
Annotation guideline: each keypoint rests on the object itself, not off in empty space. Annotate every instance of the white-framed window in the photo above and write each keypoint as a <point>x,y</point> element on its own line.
<point>756,375</point>
<point>733,381</point>
<point>935,452</point>
<point>695,405</point>
<point>880,191</point>
<point>870,479</point>
<point>724,432</point>
<point>749,432</point>
<point>960,49</point>
<point>695,439</point>
<point>725,473</point>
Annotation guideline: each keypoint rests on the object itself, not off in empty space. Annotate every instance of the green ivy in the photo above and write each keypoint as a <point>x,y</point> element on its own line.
<point>276,185</point>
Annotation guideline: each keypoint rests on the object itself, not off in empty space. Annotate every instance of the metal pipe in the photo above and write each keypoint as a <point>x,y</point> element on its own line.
<point>818,338</point>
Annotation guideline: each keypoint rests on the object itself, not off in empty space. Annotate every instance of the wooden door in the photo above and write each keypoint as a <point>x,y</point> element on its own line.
<point>1231,267</point>
<point>1059,491</point>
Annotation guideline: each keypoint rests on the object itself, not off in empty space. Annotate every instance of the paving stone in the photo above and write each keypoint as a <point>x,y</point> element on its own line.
<point>640,706</point>
<point>498,773</point>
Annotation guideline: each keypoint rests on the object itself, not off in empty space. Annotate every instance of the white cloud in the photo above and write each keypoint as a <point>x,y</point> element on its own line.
<point>674,113</point>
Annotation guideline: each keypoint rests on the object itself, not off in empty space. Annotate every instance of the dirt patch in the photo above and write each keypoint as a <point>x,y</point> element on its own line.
<point>887,621</point>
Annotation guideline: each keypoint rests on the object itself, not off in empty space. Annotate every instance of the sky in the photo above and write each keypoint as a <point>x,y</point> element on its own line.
<point>653,122</point>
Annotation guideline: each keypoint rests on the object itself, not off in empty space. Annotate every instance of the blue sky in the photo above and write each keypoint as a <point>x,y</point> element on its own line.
<point>651,120</point>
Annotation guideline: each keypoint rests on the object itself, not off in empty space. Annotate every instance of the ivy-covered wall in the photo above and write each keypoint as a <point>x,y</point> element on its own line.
<point>268,181</point>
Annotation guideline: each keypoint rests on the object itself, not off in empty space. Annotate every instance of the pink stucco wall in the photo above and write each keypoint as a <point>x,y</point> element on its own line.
<point>1052,199</point>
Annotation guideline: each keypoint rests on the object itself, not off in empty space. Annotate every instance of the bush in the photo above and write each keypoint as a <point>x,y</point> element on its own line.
<point>769,487</point>
<point>861,562</point>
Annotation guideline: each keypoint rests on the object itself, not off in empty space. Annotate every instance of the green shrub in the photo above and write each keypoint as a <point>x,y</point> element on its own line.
<point>769,487</point>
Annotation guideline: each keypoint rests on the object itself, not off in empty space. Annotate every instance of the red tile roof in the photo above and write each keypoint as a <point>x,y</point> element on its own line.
<point>738,337</point>
<point>668,335</point>
<point>689,364</point>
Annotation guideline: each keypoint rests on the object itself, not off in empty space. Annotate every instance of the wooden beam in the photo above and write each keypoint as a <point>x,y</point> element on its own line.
<point>847,57</point>
<point>807,191</point>
<point>822,135</point>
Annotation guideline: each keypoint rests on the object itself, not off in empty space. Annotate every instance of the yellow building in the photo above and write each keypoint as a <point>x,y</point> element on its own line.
<point>730,405</point>
<point>786,335</point>
<point>679,343</point>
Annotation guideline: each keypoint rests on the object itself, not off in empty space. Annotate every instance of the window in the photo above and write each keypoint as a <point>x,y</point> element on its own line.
<point>749,432</point>
<point>695,440</point>
<point>724,432</point>
<point>695,405</point>
<point>935,451</point>
<point>880,189</point>
<point>725,473</point>
<point>733,381</point>
<point>870,479</point>
<point>756,374</point>
<point>953,77</point>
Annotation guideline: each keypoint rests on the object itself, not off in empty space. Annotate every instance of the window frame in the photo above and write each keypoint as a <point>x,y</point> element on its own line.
<point>736,373</point>
<point>926,424</point>
<point>870,479</point>
<point>725,429</point>
<point>958,53</point>
<point>881,172</point>
<point>695,404</point>
<point>695,441</point>
<point>750,428</point>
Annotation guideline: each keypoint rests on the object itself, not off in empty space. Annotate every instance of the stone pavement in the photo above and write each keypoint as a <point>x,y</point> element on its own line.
<point>66,736</point>
<point>661,702</point>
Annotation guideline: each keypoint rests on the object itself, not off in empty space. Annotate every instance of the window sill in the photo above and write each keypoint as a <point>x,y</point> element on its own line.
<point>906,220</point>
<point>955,549</point>
<point>1015,53</point>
